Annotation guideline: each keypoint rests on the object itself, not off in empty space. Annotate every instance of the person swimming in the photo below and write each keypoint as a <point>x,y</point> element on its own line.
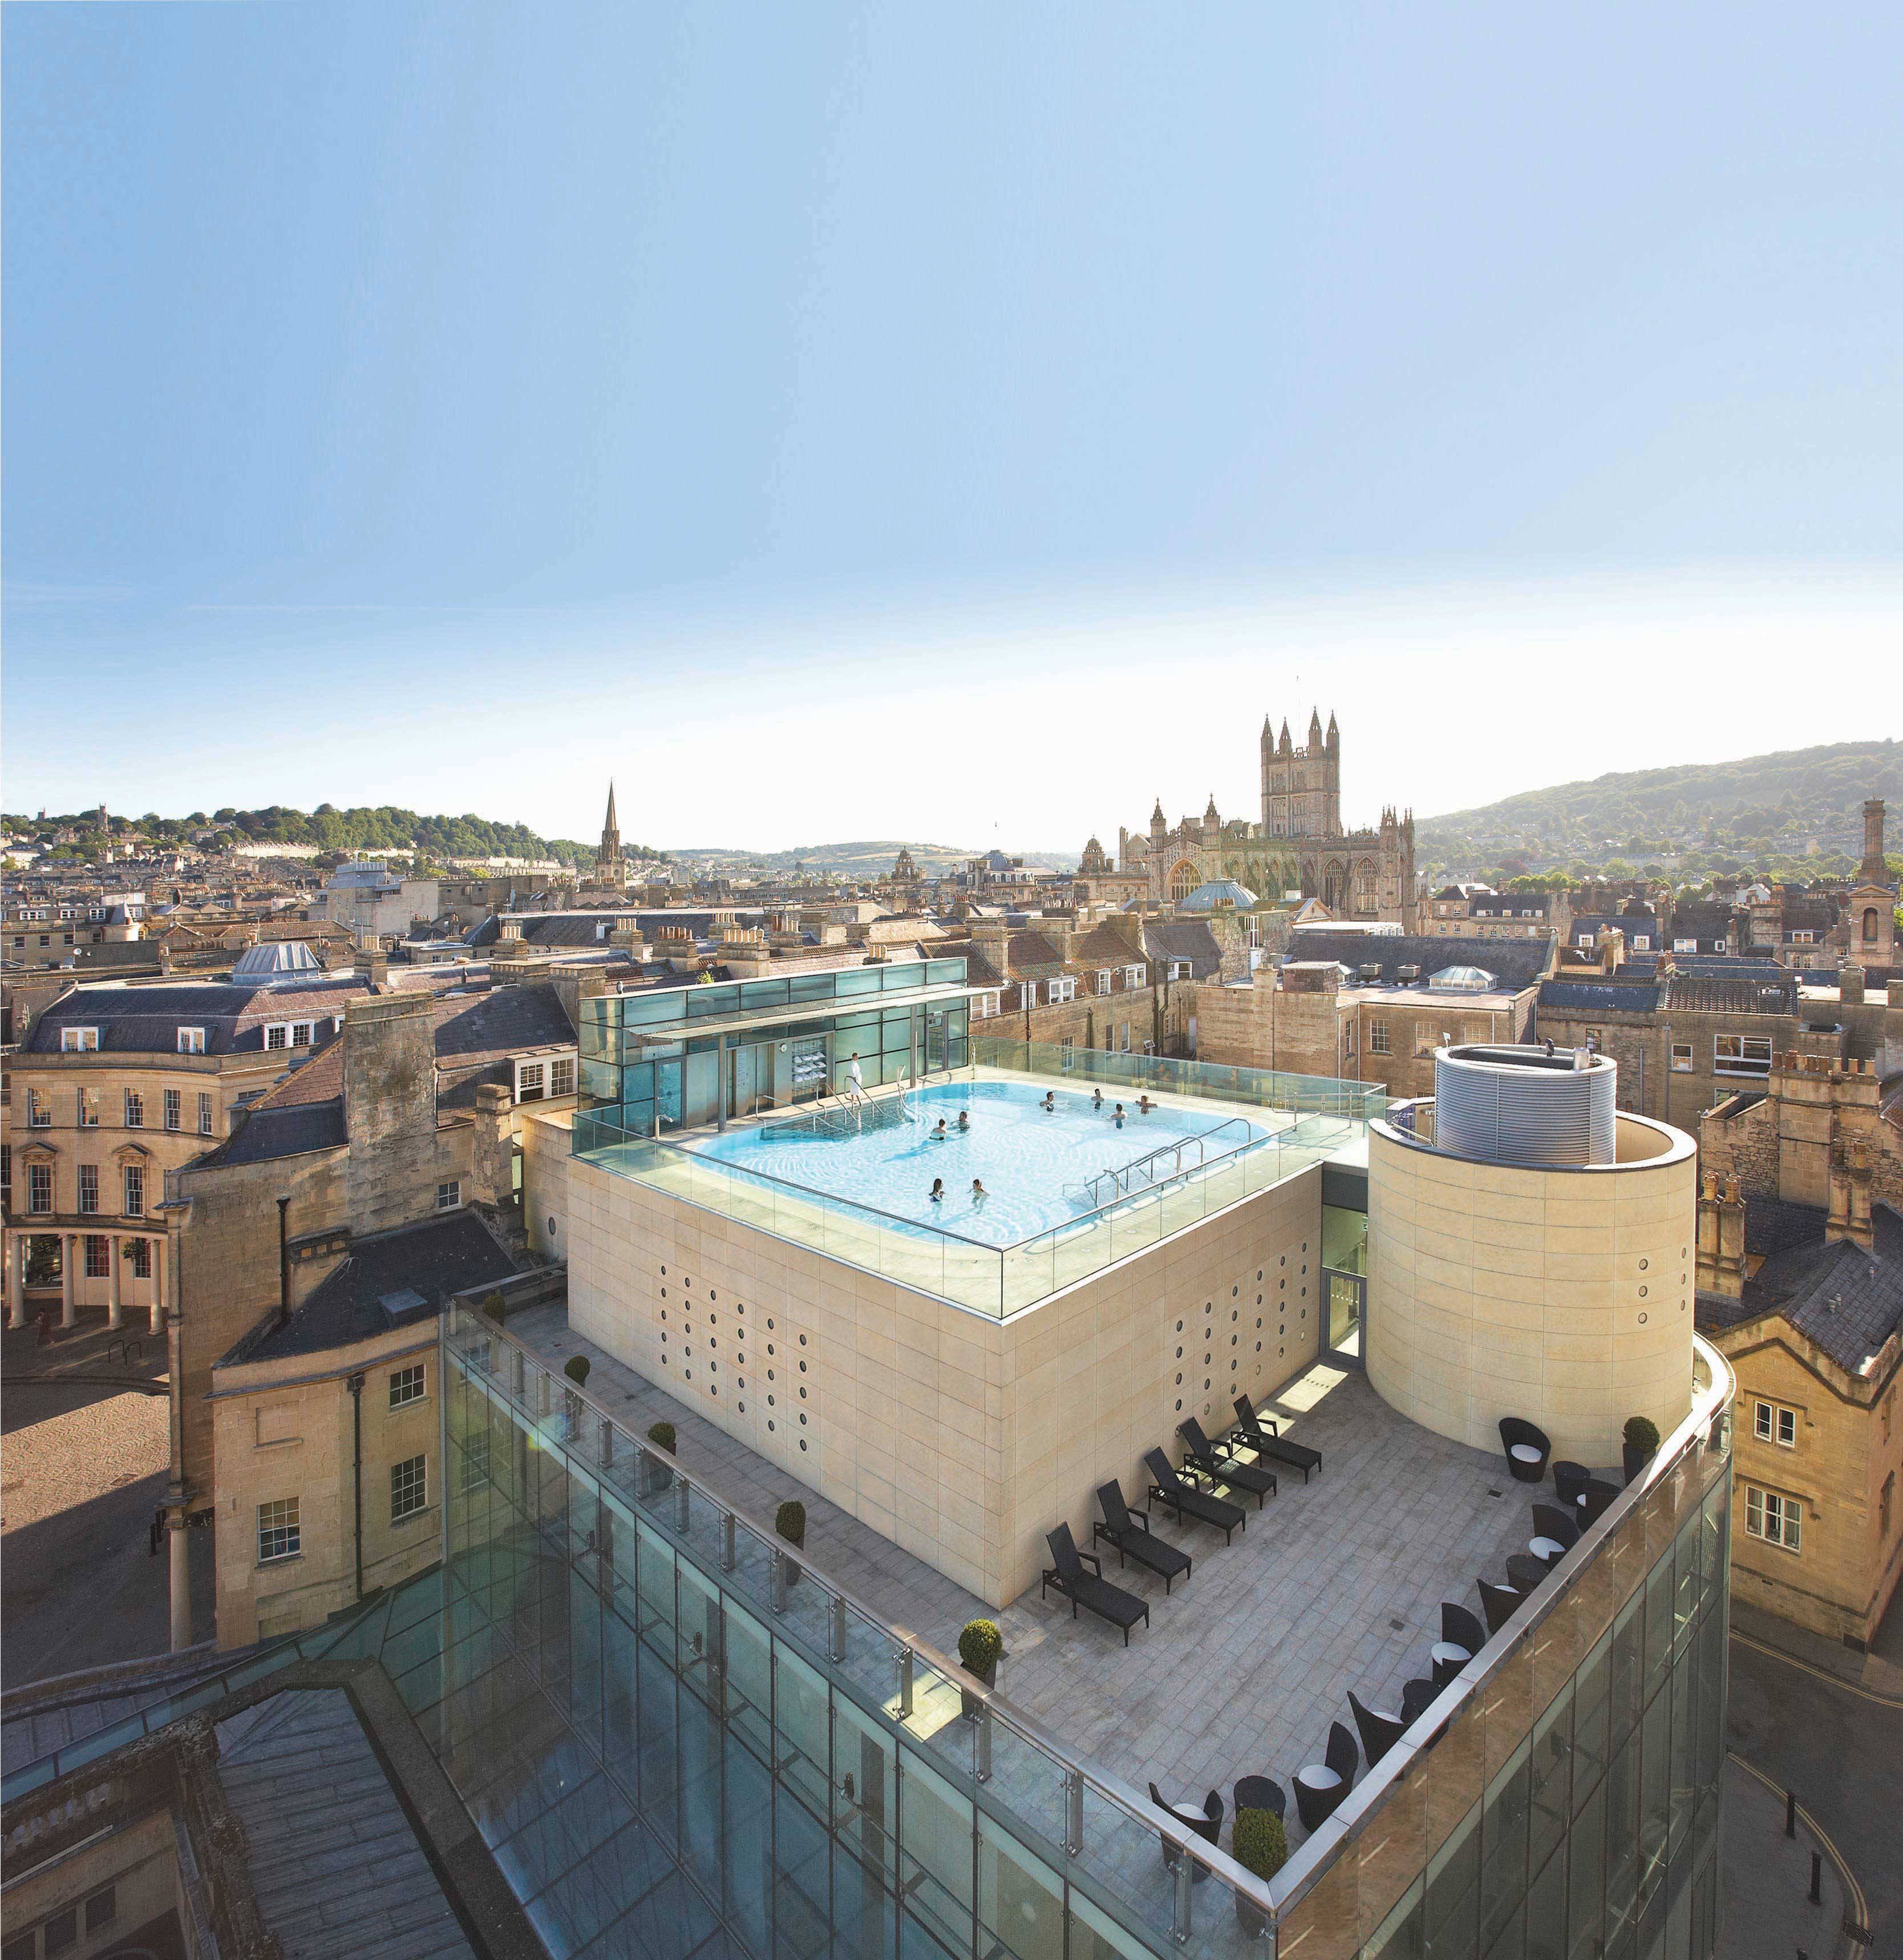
<point>964,1119</point>
<point>1145,1105</point>
<point>1048,1105</point>
<point>1118,1114</point>
<point>938,1191</point>
<point>940,1132</point>
<point>979,1194</point>
<point>1096,1099</point>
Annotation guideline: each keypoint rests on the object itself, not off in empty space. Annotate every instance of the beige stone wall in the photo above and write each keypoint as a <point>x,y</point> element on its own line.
<point>1563,1296</point>
<point>277,1432</point>
<point>961,1438</point>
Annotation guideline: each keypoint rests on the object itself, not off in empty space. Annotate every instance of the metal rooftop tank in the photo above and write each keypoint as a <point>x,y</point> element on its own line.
<point>1514,1104</point>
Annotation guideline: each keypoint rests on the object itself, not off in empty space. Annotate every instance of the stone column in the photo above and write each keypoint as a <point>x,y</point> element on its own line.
<point>158,1246</point>
<point>180,1576</point>
<point>16,1279</point>
<point>115,1311</point>
<point>67,1242</point>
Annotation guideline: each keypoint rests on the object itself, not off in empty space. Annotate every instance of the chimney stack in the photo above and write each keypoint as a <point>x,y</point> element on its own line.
<point>1721,1236</point>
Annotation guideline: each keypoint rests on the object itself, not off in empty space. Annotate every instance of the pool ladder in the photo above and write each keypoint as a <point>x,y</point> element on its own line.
<point>1147,1169</point>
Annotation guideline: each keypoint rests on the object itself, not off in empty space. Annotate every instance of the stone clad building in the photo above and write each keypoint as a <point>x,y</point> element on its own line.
<point>1299,843</point>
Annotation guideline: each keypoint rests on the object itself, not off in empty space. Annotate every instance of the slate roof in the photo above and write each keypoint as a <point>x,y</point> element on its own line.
<point>1033,957</point>
<point>145,1020</point>
<point>1185,939</point>
<point>1511,905</point>
<point>1848,1300</point>
<point>478,1034</point>
<point>1516,963</point>
<point>1598,996</point>
<point>441,1256</point>
<point>286,1131</point>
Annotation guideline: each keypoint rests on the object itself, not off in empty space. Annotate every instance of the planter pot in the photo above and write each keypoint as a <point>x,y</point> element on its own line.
<point>659,1476</point>
<point>790,1566</point>
<point>969,1701</point>
<point>1637,1457</point>
<point>1250,1918</point>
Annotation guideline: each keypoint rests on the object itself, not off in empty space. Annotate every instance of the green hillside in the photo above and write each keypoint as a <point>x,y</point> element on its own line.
<point>384,829</point>
<point>1796,809</point>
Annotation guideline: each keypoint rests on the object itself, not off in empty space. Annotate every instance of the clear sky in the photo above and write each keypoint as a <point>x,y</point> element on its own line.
<point>960,423</point>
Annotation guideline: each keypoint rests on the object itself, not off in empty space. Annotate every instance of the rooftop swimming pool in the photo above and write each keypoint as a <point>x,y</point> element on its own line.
<point>1038,1167</point>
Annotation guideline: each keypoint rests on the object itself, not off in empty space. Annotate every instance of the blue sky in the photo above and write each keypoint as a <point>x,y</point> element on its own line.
<point>958,423</point>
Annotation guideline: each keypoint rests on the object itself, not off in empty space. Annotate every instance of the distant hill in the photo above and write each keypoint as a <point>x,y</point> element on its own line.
<point>1795,805</point>
<point>865,859</point>
<point>383,828</point>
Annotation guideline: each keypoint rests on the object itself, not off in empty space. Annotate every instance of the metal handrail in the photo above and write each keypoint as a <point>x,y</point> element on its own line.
<point>1114,1791</point>
<point>1123,1175</point>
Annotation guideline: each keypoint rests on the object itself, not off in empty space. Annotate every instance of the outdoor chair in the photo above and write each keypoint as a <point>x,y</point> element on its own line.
<point>1526,1574</point>
<point>1554,1534</point>
<point>1500,1603</point>
<point>1595,1500</point>
<point>1380,1730</point>
<point>1207,1823</point>
<point>1259,1434</point>
<point>1129,1531</point>
<point>1417,1698</point>
<point>1569,1479</point>
<point>1321,1787</point>
<point>1529,1449</point>
<point>1239,1476</point>
<point>1123,1610</point>
<point>1188,1502</point>
<point>1462,1637</point>
<point>1260,1792</point>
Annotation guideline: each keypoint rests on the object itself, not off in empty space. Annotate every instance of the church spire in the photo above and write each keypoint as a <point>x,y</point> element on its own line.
<point>1314,729</point>
<point>608,829</point>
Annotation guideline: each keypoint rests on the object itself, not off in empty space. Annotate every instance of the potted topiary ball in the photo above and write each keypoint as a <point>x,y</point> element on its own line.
<point>1641,1444</point>
<point>576,1369</point>
<point>1259,1844</point>
<point>660,1475</point>
<point>495,1307</point>
<point>790,1522</point>
<point>981,1646</point>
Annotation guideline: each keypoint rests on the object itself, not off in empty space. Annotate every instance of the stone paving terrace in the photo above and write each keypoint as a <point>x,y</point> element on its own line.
<point>1335,1585</point>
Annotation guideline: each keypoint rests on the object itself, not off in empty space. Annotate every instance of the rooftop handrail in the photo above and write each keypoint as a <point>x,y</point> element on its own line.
<point>1121,1174</point>
<point>996,1708</point>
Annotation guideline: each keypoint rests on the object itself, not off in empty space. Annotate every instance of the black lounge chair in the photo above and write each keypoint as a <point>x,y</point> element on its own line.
<point>1500,1603</point>
<point>1529,1449</point>
<point>1554,1534</point>
<point>1206,1824</point>
<point>1321,1787</point>
<point>1417,1698</point>
<point>1596,1500</point>
<point>1259,1434</point>
<point>1569,1479</point>
<point>1462,1637</point>
<point>1260,1792</point>
<point>1380,1730</point>
<point>1525,1573</point>
<point>1188,1502</point>
<point>1224,1469</point>
<point>1108,1602</point>
<point>1129,1531</point>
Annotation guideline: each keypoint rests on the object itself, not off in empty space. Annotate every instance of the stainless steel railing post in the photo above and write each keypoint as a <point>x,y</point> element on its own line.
<point>905,1682</point>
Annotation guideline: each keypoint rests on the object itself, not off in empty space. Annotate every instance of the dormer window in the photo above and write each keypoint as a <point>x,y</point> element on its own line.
<point>289,1034</point>
<point>78,1041</point>
<point>190,1041</point>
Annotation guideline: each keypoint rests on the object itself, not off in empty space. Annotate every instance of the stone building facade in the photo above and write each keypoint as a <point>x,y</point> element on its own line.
<point>1297,844</point>
<point>1800,1286</point>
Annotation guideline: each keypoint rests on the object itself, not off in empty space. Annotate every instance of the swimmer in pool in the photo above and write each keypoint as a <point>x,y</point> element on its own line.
<point>1096,1099</point>
<point>1117,1113</point>
<point>964,1119</point>
<point>940,1133</point>
<point>938,1191</point>
<point>979,1194</point>
<point>1048,1105</point>
<point>1145,1105</point>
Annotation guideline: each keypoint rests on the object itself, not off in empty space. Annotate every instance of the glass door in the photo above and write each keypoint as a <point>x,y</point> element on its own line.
<point>1344,1270</point>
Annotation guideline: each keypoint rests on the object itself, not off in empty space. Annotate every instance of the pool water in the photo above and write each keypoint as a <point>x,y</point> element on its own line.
<point>1035,1166</point>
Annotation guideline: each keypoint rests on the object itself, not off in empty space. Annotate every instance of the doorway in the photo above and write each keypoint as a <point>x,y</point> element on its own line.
<point>1344,1278</point>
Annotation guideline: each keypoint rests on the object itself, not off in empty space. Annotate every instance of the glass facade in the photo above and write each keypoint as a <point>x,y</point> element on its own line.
<point>651,1061</point>
<point>674,1743</point>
